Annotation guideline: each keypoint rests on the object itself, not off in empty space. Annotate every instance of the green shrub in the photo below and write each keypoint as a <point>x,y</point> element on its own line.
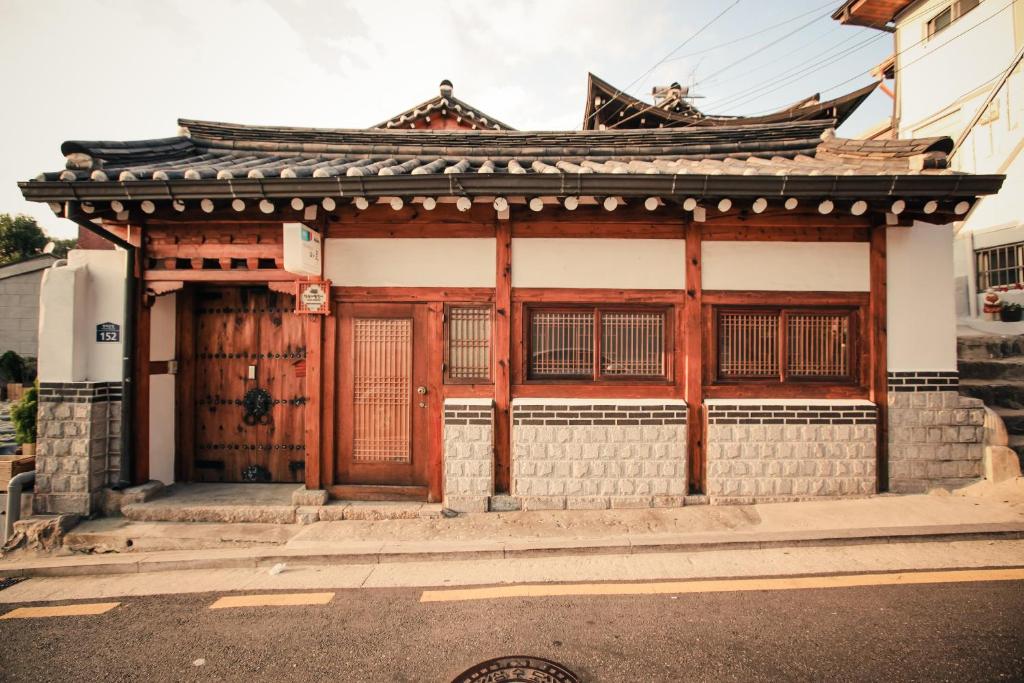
<point>24,414</point>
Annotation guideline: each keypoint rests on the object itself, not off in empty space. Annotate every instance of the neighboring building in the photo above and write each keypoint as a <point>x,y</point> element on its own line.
<point>958,73</point>
<point>581,319</point>
<point>19,304</point>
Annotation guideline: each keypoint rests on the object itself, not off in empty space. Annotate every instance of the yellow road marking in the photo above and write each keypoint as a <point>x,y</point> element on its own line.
<point>273,600</point>
<point>79,610</point>
<point>722,585</point>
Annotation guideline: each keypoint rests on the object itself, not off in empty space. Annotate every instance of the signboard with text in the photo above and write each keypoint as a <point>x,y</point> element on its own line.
<point>313,297</point>
<point>108,332</point>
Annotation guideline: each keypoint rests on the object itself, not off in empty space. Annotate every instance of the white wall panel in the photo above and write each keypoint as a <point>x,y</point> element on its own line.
<point>410,262</point>
<point>581,263</point>
<point>786,266</point>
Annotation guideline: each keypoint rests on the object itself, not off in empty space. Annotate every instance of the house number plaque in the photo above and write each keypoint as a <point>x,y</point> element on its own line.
<point>313,297</point>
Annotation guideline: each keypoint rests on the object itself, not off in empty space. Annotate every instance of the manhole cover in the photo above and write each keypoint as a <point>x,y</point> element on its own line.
<point>517,670</point>
<point>7,583</point>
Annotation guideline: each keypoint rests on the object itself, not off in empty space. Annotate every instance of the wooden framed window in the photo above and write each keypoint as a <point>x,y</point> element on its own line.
<point>597,343</point>
<point>1000,266</point>
<point>783,345</point>
<point>467,348</point>
<point>950,14</point>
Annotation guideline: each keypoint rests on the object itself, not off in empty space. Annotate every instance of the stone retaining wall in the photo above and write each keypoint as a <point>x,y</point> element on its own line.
<point>468,454</point>
<point>774,450</point>
<point>582,454</point>
<point>78,450</point>
<point>936,436</point>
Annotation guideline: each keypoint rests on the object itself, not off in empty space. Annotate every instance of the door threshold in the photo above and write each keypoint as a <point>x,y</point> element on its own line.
<point>378,492</point>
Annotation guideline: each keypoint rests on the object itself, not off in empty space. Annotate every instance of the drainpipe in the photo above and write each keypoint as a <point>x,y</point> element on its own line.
<point>128,346</point>
<point>14,489</point>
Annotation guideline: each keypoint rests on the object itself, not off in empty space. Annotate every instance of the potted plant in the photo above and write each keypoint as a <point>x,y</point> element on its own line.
<point>23,415</point>
<point>1011,313</point>
<point>12,373</point>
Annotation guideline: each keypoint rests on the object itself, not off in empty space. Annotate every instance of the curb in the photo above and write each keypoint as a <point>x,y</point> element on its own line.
<point>380,553</point>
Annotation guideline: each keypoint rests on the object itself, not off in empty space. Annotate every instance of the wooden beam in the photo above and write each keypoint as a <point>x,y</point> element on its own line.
<point>314,393</point>
<point>330,396</point>
<point>878,336</point>
<point>503,358</point>
<point>140,470</point>
<point>745,298</point>
<point>411,294</point>
<point>184,385</point>
<point>693,311</point>
<point>435,401</point>
<point>598,296</point>
<point>226,276</point>
<point>767,233</point>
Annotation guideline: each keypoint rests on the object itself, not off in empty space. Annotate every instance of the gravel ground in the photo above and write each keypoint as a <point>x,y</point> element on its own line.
<point>964,632</point>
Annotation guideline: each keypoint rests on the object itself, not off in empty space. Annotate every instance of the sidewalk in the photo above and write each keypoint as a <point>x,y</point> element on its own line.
<point>978,513</point>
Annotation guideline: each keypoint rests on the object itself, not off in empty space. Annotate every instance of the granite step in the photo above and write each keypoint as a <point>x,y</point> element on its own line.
<point>995,393</point>
<point>989,347</point>
<point>1006,369</point>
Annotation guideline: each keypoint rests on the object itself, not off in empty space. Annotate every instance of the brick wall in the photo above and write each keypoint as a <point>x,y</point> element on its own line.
<point>19,313</point>
<point>468,454</point>
<point>597,454</point>
<point>936,436</point>
<point>78,446</point>
<point>785,451</point>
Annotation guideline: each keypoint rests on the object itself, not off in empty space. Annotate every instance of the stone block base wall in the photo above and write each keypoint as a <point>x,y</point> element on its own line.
<point>78,450</point>
<point>936,436</point>
<point>468,454</point>
<point>766,451</point>
<point>596,454</point>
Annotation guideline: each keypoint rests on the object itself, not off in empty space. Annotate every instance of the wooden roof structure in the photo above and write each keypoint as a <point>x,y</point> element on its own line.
<point>607,107</point>
<point>444,112</point>
<point>871,13</point>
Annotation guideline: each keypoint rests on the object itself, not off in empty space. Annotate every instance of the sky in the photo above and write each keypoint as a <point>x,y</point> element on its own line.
<point>123,70</point>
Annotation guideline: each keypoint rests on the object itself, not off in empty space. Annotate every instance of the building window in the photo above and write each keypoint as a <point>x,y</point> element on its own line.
<point>597,343</point>
<point>780,345</point>
<point>950,14</point>
<point>1000,266</point>
<point>468,345</point>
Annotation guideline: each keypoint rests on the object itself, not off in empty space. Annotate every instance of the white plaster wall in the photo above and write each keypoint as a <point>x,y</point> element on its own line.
<point>921,309</point>
<point>105,303</point>
<point>410,262</point>
<point>62,307</point>
<point>786,266</point>
<point>598,263</point>
<point>161,391</point>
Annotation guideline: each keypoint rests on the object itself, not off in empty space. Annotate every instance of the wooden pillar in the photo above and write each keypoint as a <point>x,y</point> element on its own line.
<point>502,358</point>
<point>184,384</point>
<point>877,321</point>
<point>314,394</point>
<point>692,313</point>
<point>139,413</point>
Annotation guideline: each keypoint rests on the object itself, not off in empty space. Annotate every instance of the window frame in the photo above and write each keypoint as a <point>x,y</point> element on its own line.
<point>446,345</point>
<point>597,376</point>
<point>856,363</point>
<point>956,11</point>
<point>1000,253</point>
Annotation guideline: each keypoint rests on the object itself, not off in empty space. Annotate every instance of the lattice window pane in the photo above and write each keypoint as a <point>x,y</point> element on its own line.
<point>562,344</point>
<point>469,343</point>
<point>633,344</point>
<point>382,400</point>
<point>748,345</point>
<point>818,345</point>
<point>1002,265</point>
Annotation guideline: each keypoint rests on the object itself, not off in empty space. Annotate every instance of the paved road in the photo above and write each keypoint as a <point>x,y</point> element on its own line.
<point>956,631</point>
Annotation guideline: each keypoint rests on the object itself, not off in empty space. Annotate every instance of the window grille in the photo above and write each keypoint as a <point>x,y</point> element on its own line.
<point>382,377</point>
<point>818,345</point>
<point>748,345</point>
<point>633,344</point>
<point>1000,266</point>
<point>562,344</point>
<point>469,344</point>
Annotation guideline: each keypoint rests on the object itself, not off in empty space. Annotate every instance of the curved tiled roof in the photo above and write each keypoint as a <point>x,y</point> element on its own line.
<point>446,105</point>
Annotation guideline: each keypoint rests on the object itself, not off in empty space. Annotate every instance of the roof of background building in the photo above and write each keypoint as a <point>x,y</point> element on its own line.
<point>444,111</point>
<point>28,265</point>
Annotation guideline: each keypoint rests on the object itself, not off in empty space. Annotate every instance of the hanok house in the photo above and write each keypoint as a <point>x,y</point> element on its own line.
<point>708,309</point>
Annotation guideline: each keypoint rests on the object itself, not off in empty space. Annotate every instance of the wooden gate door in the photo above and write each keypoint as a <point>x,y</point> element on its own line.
<point>248,342</point>
<point>383,402</point>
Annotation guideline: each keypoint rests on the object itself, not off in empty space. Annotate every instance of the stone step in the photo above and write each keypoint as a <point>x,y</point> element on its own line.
<point>119,535</point>
<point>1006,369</point>
<point>167,510</point>
<point>994,393</point>
<point>1016,442</point>
<point>1013,418</point>
<point>987,347</point>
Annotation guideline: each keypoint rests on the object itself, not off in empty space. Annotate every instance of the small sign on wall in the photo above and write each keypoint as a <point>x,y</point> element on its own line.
<point>108,332</point>
<point>313,297</point>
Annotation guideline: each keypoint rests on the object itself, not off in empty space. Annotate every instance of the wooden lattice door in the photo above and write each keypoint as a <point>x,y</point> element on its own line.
<point>249,387</point>
<point>383,402</point>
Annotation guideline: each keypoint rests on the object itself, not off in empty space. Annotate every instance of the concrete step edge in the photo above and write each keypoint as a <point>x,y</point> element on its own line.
<point>122,563</point>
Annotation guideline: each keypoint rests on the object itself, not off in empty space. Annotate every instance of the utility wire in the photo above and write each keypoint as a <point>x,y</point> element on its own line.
<point>661,61</point>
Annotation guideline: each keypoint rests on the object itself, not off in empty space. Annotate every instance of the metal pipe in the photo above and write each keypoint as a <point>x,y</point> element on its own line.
<point>14,489</point>
<point>128,346</point>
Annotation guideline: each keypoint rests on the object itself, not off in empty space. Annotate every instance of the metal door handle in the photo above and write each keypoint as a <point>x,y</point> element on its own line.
<point>422,391</point>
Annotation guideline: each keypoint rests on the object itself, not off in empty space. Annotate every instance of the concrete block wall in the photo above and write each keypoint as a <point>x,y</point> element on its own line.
<point>765,450</point>
<point>19,313</point>
<point>598,453</point>
<point>78,446</point>
<point>936,436</point>
<point>468,454</point>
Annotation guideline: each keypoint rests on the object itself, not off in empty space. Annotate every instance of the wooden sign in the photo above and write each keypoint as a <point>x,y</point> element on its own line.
<point>313,297</point>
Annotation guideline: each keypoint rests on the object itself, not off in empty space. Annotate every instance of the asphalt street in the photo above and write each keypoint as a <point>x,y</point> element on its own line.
<point>954,631</point>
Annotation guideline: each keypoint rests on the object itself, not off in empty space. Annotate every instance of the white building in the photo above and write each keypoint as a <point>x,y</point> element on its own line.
<point>957,73</point>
